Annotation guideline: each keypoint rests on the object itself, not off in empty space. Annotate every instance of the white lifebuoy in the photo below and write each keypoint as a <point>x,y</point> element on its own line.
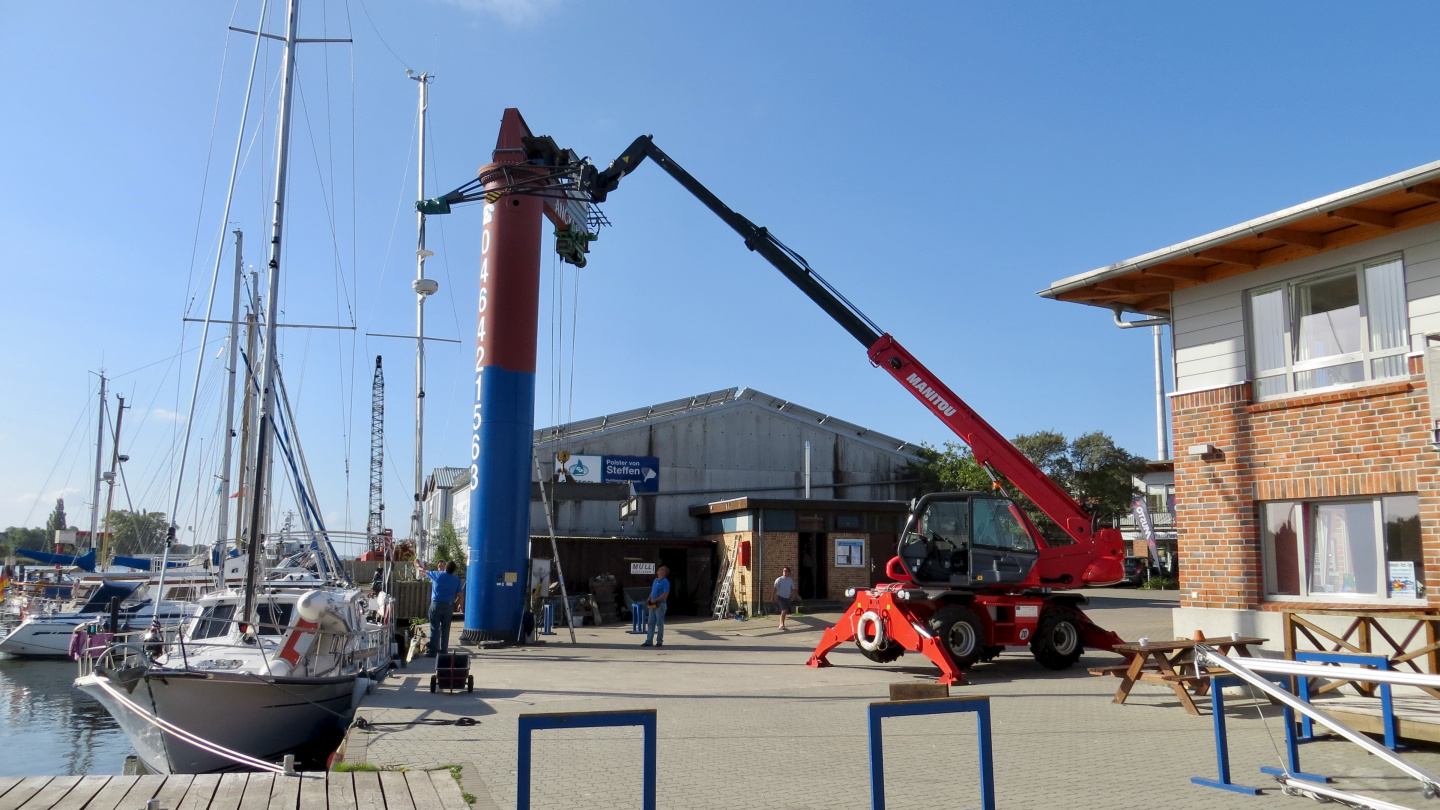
<point>874,643</point>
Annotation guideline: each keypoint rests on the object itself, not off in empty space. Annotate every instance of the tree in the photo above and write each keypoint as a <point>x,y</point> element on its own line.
<point>17,537</point>
<point>1092,469</point>
<point>447,548</point>
<point>135,533</point>
<point>952,469</point>
<point>57,518</point>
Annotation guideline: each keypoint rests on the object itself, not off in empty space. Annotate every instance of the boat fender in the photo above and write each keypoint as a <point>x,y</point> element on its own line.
<point>324,609</point>
<point>279,667</point>
<point>863,637</point>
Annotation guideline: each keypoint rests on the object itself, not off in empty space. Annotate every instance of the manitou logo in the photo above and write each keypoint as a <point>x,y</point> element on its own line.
<point>930,396</point>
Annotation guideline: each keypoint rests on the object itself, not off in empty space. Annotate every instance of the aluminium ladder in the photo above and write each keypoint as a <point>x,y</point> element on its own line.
<point>722,600</point>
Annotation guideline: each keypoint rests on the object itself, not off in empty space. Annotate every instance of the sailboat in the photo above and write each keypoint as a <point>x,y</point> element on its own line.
<point>277,667</point>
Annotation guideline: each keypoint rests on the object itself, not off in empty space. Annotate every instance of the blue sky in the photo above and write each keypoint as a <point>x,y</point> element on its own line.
<point>938,162</point>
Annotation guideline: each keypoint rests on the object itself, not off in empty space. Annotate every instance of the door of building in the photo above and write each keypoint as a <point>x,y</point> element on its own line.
<point>882,548</point>
<point>681,600</point>
<point>814,564</point>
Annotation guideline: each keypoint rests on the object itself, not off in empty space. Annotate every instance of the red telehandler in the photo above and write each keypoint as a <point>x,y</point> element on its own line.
<point>973,574</point>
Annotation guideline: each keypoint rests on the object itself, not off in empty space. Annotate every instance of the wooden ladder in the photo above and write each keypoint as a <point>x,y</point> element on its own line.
<point>722,600</point>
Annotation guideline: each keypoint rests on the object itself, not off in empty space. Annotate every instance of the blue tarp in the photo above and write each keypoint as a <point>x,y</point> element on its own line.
<point>142,563</point>
<point>100,600</point>
<point>86,561</point>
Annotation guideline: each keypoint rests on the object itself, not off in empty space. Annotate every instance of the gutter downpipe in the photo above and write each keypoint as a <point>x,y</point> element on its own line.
<point>1155,324</point>
<point>758,575</point>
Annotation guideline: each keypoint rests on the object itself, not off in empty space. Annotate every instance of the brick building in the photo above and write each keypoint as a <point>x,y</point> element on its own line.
<point>1304,435</point>
<point>830,546</point>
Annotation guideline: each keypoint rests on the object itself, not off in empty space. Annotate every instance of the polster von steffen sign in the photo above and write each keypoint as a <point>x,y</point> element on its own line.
<point>642,471</point>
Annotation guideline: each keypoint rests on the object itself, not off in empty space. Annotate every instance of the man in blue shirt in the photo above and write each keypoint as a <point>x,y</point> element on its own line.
<point>659,593</point>
<point>444,587</point>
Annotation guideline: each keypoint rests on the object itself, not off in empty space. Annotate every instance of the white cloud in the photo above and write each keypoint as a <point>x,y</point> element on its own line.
<point>169,416</point>
<point>27,498</point>
<point>515,12</point>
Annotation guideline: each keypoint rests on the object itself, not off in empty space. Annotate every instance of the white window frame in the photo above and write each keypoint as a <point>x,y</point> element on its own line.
<point>1382,567</point>
<point>1366,357</point>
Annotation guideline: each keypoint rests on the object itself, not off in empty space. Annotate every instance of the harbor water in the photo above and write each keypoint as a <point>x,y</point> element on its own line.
<point>48,727</point>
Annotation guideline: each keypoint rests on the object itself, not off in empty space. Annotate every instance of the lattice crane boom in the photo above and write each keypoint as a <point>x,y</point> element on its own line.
<point>374,525</point>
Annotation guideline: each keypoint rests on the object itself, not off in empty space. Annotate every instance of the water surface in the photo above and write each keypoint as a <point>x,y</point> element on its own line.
<point>48,727</point>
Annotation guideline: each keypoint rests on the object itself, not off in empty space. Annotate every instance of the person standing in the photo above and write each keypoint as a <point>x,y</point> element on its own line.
<point>444,587</point>
<point>659,596</point>
<point>784,594</point>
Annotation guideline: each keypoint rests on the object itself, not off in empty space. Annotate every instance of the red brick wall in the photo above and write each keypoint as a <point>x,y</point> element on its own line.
<point>1367,441</point>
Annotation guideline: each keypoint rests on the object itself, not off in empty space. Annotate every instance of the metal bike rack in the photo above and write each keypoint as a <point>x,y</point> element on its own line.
<point>529,723</point>
<point>980,705</point>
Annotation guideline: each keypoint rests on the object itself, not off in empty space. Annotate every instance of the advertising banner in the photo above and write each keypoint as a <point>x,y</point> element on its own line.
<point>642,471</point>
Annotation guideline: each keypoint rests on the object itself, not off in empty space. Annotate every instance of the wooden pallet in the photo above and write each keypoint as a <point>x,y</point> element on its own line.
<point>361,790</point>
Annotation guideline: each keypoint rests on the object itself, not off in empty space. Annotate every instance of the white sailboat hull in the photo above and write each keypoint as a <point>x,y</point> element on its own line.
<point>262,717</point>
<point>49,636</point>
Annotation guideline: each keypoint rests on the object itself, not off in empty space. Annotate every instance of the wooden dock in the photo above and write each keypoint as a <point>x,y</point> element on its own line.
<point>361,790</point>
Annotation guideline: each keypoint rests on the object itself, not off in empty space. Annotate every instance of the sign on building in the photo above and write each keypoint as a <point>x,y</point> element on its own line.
<point>642,471</point>
<point>849,552</point>
<point>642,569</point>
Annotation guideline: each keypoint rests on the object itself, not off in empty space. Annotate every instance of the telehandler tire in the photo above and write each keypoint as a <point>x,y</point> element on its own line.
<point>1057,643</point>
<point>887,652</point>
<point>962,633</point>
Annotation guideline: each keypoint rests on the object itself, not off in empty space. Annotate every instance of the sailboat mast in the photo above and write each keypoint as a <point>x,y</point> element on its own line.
<point>99,460</point>
<point>103,558</point>
<point>423,288</point>
<point>247,414</point>
<point>267,375</point>
<point>224,508</point>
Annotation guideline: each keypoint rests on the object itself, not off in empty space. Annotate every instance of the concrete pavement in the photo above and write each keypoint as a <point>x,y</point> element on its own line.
<point>744,724</point>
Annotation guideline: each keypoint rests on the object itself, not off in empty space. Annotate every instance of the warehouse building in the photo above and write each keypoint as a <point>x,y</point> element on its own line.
<point>704,474</point>
<point>1305,436</point>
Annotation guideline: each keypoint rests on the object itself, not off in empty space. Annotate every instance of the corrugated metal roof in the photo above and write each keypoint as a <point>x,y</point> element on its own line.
<point>716,399</point>
<point>1403,200</point>
<point>446,477</point>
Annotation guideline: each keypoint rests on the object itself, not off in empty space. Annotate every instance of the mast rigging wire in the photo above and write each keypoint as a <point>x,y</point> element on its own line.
<point>215,275</point>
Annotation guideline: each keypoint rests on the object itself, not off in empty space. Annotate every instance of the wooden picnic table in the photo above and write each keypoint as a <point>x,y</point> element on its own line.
<point>1163,662</point>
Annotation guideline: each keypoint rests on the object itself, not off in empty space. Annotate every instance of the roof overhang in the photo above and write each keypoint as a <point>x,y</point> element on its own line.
<point>1144,284</point>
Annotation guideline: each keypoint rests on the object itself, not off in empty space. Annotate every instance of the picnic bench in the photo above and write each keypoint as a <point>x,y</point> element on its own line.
<point>1165,662</point>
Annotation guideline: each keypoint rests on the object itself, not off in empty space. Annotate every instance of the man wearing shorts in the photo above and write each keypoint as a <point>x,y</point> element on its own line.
<point>784,594</point>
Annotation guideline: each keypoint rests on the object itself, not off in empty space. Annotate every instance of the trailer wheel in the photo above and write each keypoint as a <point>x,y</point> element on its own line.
<point>1057,642</point>
<point>960,630</point>
<point>885,653</point>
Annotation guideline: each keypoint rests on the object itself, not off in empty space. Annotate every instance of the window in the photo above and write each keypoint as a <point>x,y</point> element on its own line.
<point>847,522</point>
<point>1362,549</point>
<point>274,618</point>
<point>997,525</point>
<point>1159,496</point>
<point>722,524</point>
<point>214,622</point>
<point>1342,327</point>
<point>779,520</point>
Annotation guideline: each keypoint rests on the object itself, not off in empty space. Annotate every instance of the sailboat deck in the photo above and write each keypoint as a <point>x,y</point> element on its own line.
<point>361,790</point>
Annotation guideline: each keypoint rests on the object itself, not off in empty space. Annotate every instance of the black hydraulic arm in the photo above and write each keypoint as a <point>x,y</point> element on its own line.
<point>758,239</point>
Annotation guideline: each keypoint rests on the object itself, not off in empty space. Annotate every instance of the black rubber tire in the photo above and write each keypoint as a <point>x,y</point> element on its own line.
<point>433,683</point>
<point>887,652</point>
<point>469,683</point>
<point>962,633</point>
<point>1057,643</point>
